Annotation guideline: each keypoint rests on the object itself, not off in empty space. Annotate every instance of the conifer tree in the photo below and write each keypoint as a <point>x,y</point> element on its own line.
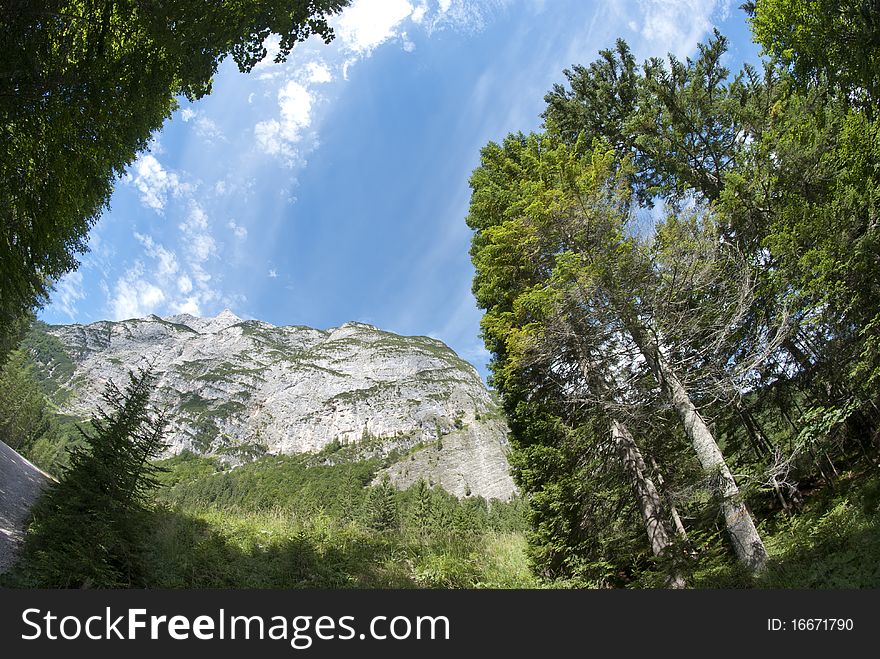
<point>383,505</point>
<point>422,509</point>
<point>87,529</point>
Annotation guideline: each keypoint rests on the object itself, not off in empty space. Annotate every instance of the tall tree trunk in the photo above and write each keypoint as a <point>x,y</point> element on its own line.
<point>673,511</point>
<point>646,494</point>
<point>649,501</point>
<point>740,526</point>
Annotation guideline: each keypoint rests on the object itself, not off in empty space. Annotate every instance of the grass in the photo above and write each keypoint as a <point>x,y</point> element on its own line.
<point>219,548</point>
<point>834,542</point>
<point>297,522</point>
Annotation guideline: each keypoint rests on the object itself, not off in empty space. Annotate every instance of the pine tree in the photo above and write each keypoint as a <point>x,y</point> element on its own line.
<point>383,505</point>
<point>422,508</point>
<point>23,413</point>
<point>88,527</point>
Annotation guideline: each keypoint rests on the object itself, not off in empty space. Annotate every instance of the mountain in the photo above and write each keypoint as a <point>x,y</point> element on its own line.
<point>240,389</point>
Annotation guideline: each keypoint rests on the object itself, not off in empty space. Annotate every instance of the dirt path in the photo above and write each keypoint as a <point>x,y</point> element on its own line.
<point>20,486</point>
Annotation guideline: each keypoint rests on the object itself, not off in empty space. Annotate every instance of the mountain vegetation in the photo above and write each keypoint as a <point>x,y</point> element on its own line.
<point>321,520</point>
<point>679,274</point>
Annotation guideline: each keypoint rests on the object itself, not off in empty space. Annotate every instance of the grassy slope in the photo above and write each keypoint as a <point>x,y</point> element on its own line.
<point>833,542</point>
<point>291,522</point>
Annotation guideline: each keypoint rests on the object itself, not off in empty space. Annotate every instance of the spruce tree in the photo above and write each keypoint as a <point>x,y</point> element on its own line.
<point>422,506</point>
<point>88,528</point>
<point>383,506</point>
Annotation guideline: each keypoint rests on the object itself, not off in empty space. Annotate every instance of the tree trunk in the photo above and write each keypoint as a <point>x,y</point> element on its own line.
<point>673,511</point>
<point>646,494</point>
<point>740,525</point>
<point>650,504</point>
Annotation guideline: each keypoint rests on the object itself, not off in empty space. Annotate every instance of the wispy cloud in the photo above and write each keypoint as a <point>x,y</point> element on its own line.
<point>238,231</point>
<point>673,26</point>
<point>69,291</point>
<point>155,183</point>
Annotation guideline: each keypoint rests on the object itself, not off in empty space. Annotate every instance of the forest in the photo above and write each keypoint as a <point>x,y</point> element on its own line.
<point>679,274</point>
<point>680,278</point>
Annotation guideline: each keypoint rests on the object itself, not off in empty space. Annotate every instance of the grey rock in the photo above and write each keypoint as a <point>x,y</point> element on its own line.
<point>241,388</point>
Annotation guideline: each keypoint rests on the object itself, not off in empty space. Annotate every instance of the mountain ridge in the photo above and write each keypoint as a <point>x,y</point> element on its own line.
<point>241,388</point>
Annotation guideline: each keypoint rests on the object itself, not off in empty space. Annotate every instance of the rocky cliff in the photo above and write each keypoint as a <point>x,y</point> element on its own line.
<point>243,388</point>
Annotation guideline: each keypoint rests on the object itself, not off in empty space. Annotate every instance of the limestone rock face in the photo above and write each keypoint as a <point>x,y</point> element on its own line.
<point>242,388</point>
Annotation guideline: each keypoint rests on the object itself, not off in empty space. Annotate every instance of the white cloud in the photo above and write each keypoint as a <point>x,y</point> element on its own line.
<point>189,305</point>
<point>273,274</point>
<point>134,296</point>
<point>418,14</point>
<point>296,108</point>
<point>155,183</point>
<point>203,126</point>
<point>278,136</point>
<point>200,244</point>
<point>366,24</point>
<point>202,247</point>
<point>68,291</point>
<point>464,15</point>
<point>208,130</point>
<point>166,260</point>
<point>196,220</point>
<point>239,231</point>
<point>318,72</point>
<point>184,284</point>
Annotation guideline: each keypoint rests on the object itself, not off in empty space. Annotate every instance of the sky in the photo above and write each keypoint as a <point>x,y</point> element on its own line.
<point>334,186</point>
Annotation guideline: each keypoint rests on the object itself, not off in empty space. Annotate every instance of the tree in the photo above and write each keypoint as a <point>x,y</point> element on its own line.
<point>682,124</point>
<point>382,505</point>
<point>83,86</point>
<point>833,40</point>
<point>422,507</point>
<point>87,529</point>
<point>23,414</point>
<point>558,237</point>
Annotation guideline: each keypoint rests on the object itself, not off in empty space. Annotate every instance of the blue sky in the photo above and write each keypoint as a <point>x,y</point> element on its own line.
<point>333,187</point>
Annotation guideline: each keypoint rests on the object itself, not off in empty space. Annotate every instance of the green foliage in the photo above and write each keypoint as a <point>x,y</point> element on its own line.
<point>23,414</point>
<point>223,549</point>
<point>382,506</point>
<point>834,542</point>
<point>255,530</point>
<point>834,40</point>
<point>291,482</point>
<point>87,529</point>
<point>53,366</point>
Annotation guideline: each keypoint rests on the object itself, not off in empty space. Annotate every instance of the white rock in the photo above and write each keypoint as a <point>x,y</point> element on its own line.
<point>238,388</point>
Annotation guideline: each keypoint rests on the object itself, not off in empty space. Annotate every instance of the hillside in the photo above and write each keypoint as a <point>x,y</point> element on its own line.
<point>240,389</point>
